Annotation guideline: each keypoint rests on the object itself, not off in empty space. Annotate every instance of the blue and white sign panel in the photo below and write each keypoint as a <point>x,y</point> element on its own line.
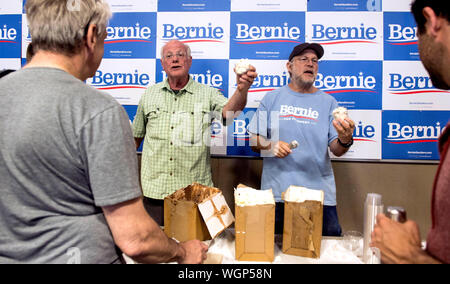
<point>345,5</point>
<point>218,138</point>
<point>400,39</point>
<point>269,5</point>
<point>272,74</point>
<point>407,86</point>
<point>396,6</point>
<point>10,36</point>
<point>367,135</point>
<point>265,35</point>
<point>347,35</point>
<point>131,35</point>
<point>118,6</point>
<point>193,5</point>
<point>357,86</point>
<point>11,7</point>
<point>10,63</point>
<point>126,83</point>
<point>371,63</point>
<point>412,134</point>
<point>206,33</point>
<point>238,139</point>
<point>212,72</point>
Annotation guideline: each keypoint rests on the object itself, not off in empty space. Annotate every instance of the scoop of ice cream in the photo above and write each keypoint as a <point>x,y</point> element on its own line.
<point>301,194</point>
<point>340,112</point>
<point>246,196</point>
<point>242,66</point>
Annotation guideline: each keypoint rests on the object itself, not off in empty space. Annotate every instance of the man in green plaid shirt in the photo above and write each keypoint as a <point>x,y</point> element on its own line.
<point>174,117</point>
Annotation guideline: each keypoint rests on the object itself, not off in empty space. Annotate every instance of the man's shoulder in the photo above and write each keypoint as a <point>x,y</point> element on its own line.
<point>320,92</point>
<point>202,92</point>
<point>58,83</point>
<point>155,87</point>
<point>326,97</point>
<point>271,96</point>
<point>151,91</point>
<point>95,98</point>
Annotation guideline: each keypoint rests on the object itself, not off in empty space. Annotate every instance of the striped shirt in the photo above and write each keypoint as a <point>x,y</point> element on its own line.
<point>177,135</point>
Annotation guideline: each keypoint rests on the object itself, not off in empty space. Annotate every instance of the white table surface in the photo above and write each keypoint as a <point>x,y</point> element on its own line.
<point>332,251</point>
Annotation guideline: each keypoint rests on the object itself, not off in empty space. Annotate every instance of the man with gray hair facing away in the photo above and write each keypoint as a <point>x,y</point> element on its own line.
<point>69,182</point>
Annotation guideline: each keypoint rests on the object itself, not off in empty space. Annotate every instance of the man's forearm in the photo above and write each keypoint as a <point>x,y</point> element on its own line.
<point>235,104</point>
<point>160,249</point>
<point>138,235</point>
<point>337,149</point>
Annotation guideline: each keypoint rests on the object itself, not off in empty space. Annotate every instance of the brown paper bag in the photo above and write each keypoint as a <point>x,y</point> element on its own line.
<point>183,220</point>
<point>302,230</point>
<point>255,232</point>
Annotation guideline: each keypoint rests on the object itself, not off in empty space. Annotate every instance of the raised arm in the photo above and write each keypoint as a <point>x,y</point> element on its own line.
<point>239,99</point>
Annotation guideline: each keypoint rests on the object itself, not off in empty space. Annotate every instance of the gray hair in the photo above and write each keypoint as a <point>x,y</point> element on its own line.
<point>188,49</point>
<point>61,25</point>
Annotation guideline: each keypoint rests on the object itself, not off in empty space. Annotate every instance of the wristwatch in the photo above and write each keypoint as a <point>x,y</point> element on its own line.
<point>347,145</point>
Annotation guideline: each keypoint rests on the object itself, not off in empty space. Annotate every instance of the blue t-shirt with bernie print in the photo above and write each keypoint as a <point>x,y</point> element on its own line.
<point>287,115</point>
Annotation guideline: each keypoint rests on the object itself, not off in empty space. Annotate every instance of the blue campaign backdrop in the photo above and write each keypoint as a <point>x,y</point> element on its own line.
<point>372,66</point>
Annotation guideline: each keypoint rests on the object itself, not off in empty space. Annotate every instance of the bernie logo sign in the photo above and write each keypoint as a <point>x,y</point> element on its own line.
<point>267,83</point>
<point>208,78</point>
<point>8,35</point>
<point>298,112</point>
<point>409,85</point>
<point>111,81</point>
<point>407,134</point>
<point>246,34</point>
<point>120,34</point>
<point>340,35</point>
<point>399,35</point>
<point>190,34</point>
<point>346,84</point>
<point>364,133</point>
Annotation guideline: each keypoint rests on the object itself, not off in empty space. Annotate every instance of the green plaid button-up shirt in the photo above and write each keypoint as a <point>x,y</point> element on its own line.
<point>177,134</point>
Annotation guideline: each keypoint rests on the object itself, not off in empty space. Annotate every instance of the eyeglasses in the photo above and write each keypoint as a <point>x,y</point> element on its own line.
<point>305,60</point>
<point>180,55</point>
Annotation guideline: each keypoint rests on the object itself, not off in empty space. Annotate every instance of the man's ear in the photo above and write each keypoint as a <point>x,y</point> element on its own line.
<point>289,66</point>
<point>91,37</point>
<point>190,61</point>
<point>434,23</point>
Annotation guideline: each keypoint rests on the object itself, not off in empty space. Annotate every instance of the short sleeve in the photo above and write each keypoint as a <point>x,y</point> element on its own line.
<point>109,155</point>
<point>140,120</point>
<point>218,101</point>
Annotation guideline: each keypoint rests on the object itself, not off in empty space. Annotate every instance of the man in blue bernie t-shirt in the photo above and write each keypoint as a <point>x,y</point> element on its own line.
<point>301,112</point>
